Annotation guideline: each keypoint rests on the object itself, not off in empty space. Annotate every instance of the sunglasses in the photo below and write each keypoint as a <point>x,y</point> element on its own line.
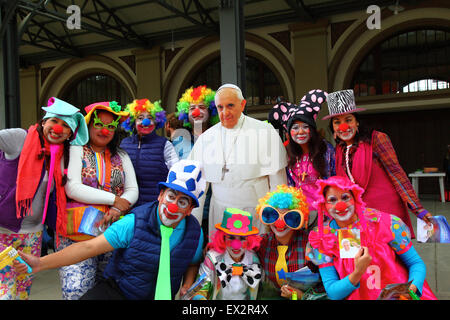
<point>294,219</point>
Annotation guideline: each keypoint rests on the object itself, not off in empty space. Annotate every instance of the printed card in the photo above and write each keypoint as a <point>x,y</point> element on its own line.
<point>349,242</point>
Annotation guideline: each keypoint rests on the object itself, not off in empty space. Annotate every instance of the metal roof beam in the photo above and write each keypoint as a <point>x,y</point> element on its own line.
<point>30,6</point>
<point>300,9</point>
<point>186,16</point>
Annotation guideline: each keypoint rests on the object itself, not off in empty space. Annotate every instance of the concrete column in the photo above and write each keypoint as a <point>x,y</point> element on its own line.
<point>29,108</point>
<point>232,44</point>
<point>310,61</point>
<point>148,73</point>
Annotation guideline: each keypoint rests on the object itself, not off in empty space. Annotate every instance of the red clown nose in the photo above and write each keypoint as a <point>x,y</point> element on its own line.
<point>341,206</point>
<point>279,224</point>
<point>105,132</point>
<point>57,129</point>
<point>343,127</point>
<point>172,207</point>
<point>196,112</point>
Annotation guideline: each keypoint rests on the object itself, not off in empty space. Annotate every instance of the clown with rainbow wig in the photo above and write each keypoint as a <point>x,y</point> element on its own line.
<point>386,255</point>
<point>232,268</point>
<point>286,215</point>
<point>151,154</point>
<point>197,109</point>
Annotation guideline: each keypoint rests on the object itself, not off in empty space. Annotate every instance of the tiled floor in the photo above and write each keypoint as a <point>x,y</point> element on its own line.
<point>46,285</point>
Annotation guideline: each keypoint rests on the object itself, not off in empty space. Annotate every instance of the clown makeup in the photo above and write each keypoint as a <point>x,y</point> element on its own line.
<point>56,130</point>
<point>198,113</point>
<point>345,127</point>
<point>145,124</point>
<point>174,206</point>
<point>236,246</point>
<point>340,205</point>
<point>300,132</point>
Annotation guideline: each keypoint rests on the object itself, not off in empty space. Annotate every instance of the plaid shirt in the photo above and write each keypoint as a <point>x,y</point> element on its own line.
<point>295,255</point>
<point>384,153</point>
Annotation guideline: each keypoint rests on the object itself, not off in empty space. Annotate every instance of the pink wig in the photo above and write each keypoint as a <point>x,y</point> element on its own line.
<point>218,242</point>
<point>342,183</point>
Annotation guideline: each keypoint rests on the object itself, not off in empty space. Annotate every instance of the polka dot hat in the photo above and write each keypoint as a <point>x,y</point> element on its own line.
<point>308,108</point>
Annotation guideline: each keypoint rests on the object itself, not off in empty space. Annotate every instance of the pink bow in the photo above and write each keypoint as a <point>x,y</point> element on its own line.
<point>325,244</point>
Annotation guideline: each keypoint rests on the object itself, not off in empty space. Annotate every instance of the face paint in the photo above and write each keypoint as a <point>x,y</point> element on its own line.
<point>235,246</point>
<point>198,113</point>
<point>145,124</point>
<point>300,132</point>
<point>173,207</point>
<point>345,126</point>
<point>280,229</point>
<point>340,204</point>
<point>56,130</point>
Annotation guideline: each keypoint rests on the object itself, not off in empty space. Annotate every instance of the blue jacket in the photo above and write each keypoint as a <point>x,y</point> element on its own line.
<point>147,157</point>
<point>135,269</point>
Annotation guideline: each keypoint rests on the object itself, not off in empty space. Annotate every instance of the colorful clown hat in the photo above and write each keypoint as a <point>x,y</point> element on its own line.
<point>341,102</point>
<point>186,176</point>
<point>237,222</point>
<point>71,115</point>
<point>279,114</point>
<point>197,95</point>
<point>138,106</point>
<point>308,108</point>
<point>110,106</point>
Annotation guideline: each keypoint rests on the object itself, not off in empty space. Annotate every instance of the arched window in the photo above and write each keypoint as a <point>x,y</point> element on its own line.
<point>94,88</point>
<point>262,86</point>
<point>417,58</point>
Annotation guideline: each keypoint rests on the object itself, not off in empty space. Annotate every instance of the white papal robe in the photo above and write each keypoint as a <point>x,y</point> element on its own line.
<point>255,158</point>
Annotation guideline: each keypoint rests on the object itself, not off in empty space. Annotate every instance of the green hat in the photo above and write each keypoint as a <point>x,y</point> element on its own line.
<point>237,222</point>
<point>71,115</point>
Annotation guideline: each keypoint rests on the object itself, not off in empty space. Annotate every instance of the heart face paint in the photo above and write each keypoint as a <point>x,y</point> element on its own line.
<point>300,132</point>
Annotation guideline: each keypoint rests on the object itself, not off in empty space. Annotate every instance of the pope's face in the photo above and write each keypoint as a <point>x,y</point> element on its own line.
<point>55,130</point>
<point>229,107</point>
<point>173,207</point>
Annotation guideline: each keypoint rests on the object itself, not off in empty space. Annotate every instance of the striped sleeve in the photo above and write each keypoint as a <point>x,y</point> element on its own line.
<point>383,149</point>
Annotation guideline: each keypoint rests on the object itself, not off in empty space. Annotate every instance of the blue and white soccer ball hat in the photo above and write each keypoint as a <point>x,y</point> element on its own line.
<point>186,176</point>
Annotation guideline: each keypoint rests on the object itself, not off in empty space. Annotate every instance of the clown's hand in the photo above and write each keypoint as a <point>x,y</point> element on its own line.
<point>286,292</point>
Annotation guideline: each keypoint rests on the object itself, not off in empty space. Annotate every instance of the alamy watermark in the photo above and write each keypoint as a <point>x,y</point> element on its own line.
<point>374,20</point>
<point>74,20</point>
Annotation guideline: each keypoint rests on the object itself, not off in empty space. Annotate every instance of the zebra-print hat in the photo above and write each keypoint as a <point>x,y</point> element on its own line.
<point>308,108</point>
<point>341,102</point>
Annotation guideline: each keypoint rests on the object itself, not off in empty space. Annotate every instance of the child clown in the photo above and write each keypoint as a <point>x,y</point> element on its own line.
<point>232,268</point>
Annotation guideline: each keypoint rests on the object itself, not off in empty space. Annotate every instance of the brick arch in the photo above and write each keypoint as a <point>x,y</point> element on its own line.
<point>270,47</point>
<point>372,42</point>
<point>120,73</point>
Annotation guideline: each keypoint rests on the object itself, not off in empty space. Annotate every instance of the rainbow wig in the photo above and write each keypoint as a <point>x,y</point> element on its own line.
<point>138,106</point>
<point>218,243</point>
<point>285,197</point>
<point>196,96</point>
